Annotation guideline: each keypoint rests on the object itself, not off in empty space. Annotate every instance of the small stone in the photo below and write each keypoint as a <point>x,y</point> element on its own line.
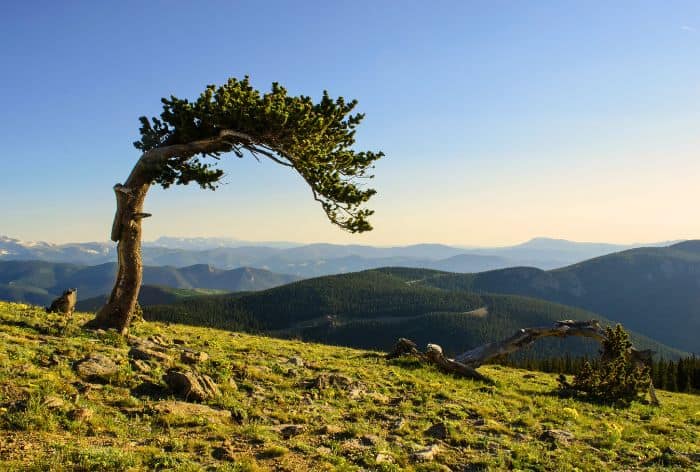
<point>96,368</point>
<point>326,380</point>
<point>180,342</point>
<point>140,366</point>
<point>557,436</point>
<point>427,454</point>
<point>158,339</point>
<point>193,357</point>
<point>297,361</point>
<point>146,354</point>
<point>53,402</point>
<point>81,414</point>
<point>289,430</point>
<point>382,458</point>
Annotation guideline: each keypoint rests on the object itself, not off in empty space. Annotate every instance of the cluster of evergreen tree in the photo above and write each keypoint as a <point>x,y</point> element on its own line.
<point>682,375</point>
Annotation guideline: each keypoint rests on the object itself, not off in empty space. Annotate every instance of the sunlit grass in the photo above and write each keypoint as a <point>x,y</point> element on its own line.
<point>378,422</point>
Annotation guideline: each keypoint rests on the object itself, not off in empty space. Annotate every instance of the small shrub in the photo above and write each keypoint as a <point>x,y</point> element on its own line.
<point>616,378</point>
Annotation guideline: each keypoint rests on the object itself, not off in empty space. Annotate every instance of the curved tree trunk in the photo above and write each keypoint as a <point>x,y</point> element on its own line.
<point>126,228</point>
<point>126,231</point>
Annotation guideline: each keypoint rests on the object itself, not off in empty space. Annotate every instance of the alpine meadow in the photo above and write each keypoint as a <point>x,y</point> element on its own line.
<point>363,236</point>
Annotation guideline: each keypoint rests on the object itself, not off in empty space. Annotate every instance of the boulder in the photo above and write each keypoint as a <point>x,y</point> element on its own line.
<point>96,368</point>
<point>191,385</point>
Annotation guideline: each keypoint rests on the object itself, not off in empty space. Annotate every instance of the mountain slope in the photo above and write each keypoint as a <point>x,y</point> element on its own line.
<point>654,291</point>
<point>39,282</point>
<point>288,405</point>
<point>149,295</point>
<point>372,309</point>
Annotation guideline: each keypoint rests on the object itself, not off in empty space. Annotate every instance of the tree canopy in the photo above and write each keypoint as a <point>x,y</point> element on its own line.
<point>315,139</point>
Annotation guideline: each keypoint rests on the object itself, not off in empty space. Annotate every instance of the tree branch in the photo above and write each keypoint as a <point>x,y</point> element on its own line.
<point>465,364</point>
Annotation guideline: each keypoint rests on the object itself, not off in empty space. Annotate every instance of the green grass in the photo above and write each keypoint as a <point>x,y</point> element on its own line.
<point>377,422</point>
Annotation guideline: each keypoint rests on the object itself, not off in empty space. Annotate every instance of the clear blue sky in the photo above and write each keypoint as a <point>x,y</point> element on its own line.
<point>500,120</point>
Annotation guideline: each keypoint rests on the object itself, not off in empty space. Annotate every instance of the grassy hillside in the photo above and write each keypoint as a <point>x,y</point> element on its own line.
<point>654,291</point>
<point>372,309</point>
<point>39,282</point>
<point>369,414</point>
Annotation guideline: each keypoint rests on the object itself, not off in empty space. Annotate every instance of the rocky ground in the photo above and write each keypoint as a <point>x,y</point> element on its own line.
<point>173,397</point>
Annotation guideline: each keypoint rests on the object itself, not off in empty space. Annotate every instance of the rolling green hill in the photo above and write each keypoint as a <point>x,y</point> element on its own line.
<point>294,406</point>
<point>654,291</point>
<point>39,282</point>
<point>372,309</point>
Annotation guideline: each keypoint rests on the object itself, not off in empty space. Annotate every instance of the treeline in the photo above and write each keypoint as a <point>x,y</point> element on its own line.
<point>682,375</point>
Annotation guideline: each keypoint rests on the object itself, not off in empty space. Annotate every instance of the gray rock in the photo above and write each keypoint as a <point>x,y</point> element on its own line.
<point>427,454</point>
<point>53,402</point>
<point>557,436</point>
<point>289,430</point>
<point>96,368</point>
<point>191,357</point>
<point>81,414</point>
<point>191,385</point>
<point>140,366</point>
<point>145,353</point>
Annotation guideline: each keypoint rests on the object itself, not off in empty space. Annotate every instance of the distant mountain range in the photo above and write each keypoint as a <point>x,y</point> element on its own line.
<point>38,282</point>
<point>371,309</point>
<point>313,260</point>
<point>654,291</point>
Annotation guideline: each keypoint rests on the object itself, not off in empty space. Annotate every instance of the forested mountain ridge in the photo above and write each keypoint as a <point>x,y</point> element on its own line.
<point>371,309</point>
<point>654,291</point>
<point>38,282</point>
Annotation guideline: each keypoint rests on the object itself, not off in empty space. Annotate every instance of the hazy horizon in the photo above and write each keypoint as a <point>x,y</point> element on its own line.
<point>574,120</point>
<point>261,242</point>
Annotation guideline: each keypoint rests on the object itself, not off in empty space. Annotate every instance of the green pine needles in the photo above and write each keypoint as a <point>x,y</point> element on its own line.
<point>315,139</point>
<point>616,378</point>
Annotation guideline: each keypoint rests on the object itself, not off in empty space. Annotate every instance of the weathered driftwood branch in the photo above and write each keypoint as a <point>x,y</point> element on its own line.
<point>465,364</point>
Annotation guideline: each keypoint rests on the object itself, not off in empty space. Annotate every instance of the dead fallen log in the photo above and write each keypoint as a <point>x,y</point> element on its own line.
<point>465,364</point>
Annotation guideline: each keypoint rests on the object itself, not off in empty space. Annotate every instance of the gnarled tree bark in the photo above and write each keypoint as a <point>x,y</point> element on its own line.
<point>465,364</point>
<point>126,227</point>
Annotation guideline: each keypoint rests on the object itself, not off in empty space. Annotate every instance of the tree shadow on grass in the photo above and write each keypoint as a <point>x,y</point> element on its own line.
<point>150,390</point>
<point>44,330</point>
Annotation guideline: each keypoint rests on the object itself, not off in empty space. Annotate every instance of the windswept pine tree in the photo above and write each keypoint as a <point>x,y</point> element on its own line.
<point>315,139</point>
